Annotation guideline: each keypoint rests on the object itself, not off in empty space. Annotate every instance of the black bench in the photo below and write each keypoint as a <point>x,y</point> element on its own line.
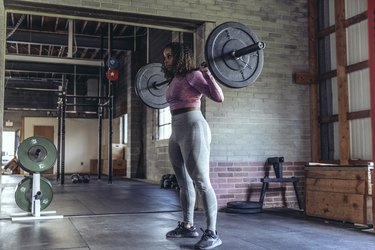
<point>277,163</point>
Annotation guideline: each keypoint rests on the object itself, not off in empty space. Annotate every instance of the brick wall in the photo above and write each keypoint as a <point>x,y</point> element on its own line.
<point>268,118</point>
<point>241,181</point>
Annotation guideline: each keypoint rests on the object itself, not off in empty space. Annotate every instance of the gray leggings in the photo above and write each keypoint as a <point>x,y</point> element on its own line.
<point>189,152</point>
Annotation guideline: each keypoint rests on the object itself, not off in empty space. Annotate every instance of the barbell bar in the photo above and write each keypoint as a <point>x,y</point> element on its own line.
<point>234,56</point>
<point>156,84</point>
<point>249,49</point>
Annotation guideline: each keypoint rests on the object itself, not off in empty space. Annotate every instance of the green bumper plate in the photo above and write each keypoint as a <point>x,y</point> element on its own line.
<point>23,194</point>
<point>36,154</point>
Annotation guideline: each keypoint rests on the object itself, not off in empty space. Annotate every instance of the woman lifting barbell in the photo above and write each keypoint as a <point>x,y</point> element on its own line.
<point>189,144</point>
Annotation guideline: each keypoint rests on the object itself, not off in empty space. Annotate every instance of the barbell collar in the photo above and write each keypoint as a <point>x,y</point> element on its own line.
<point>249,49</point>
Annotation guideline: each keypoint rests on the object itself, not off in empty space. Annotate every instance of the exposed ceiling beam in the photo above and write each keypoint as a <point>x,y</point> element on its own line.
<point>56,23</point>
<point>12,17</point>
<point>55,60</point>
<point>55,39</point>
<point>30,22</point>
<point>42,23</point>
<point>84,26</point>
<point>95,53</point>
<point>97,27</point>
<point>177,24</point>
<point>14,66</point>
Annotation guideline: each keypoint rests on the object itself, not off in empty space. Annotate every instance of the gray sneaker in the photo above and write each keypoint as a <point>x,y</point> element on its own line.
<point>209,240</point>
<point>182,232</point>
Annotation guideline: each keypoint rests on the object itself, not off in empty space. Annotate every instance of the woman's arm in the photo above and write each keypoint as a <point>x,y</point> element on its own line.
<point>206,84</point>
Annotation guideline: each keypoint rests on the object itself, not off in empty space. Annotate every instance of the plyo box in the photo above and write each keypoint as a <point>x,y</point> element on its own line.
<point>339,192</point>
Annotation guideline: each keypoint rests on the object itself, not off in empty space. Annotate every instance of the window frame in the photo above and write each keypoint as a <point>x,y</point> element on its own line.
<point>164,124</point>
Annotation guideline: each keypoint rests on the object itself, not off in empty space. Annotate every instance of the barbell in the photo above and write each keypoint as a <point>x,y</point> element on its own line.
<point>234,56</point>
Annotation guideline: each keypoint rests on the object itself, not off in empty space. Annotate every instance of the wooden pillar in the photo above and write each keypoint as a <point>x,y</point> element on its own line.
<point>314,97</point>
<point>371,45</point>
<point>342,81</point>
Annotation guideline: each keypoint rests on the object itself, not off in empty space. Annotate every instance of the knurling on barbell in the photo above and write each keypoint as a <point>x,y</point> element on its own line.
<point>234,56</point>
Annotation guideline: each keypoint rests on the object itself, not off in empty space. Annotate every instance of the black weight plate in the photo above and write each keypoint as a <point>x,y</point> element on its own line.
<point>36,154</point>
<point>147,88</point>
<point>243,210</point>
<point>23,195</point>
<point>244,204</point>
<point>230,71</point>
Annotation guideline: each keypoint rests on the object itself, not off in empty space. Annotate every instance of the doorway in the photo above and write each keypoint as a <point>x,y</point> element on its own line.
<point>9,147</point>
<point>47,132</point>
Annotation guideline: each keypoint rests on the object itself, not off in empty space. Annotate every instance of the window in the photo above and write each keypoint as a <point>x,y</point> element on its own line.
<point>164,123</point>
<point>124,129</point>
<point>344,86</point>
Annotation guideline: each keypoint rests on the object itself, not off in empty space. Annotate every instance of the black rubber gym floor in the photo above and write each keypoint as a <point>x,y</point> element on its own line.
<point>131,214</point>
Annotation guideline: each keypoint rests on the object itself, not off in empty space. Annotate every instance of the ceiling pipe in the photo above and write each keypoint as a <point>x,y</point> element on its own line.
<point>41,59</point>
<point>33,89</point>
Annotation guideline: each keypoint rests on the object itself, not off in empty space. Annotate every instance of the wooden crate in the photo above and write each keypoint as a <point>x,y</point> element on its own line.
<point>118,168</point>
<point>94,166</point>
<point>339,192</point>
<point>118,151</point>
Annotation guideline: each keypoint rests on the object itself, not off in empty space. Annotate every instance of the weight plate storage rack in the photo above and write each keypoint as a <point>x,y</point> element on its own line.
<point>34,193</point>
